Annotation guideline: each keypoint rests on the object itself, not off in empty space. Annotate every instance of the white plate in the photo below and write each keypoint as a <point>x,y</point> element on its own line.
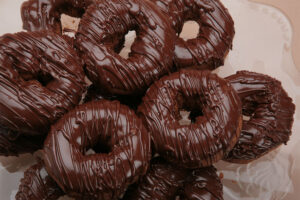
<point>263,44</point>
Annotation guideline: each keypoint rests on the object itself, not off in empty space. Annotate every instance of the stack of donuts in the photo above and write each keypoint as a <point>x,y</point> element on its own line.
<point>123,137</point>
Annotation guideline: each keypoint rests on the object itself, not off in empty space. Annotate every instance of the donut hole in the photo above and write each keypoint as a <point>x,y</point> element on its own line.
<point>129,40</point>
<point>102,148</point>
<point>43,78</point>
<point>69,25</point>
<point>70,17</point>
<point>249,108</point>
<point>246,118</point>
<point>190,30</point>
<point>189,113</point>
<point>99,148</point>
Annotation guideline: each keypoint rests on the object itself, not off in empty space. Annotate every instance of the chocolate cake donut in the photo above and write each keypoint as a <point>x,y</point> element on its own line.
<point>40,80</point>
<point>271,113</point>
<point>165,181</point>
<point>212,135</point>
<point>104,25</point>
<point>215,36</point>
<point>38,185</point>
<point>46,14</point>
<point>125,153</point>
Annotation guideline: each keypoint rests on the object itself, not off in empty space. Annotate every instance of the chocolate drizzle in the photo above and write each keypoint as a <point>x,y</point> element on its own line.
<point>103,175</point>
<point>164,181</point>
<point>104,25</point>
<point>45,14</point>
<point>38,185</point>
<point>271,113</point>
<point>40,80</point>
<point>207,140</point>
<point>216,32</point>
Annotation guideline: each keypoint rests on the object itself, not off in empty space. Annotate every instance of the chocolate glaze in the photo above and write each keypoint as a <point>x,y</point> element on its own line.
<point>14,144</point>
<point>165,181</point>
<point>103,175</point>
<point>101,28</point>
<point>40,80</point>
<point>38,185</point>
<point>95,94</point>
<point>211,136</point>
<point>216,32</point>
<point>26,105</point>
<point>271,113</point>
<point>45,14</point>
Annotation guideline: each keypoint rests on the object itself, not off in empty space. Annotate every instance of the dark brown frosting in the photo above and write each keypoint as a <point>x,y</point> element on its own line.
<point>107,124</point>
<point>45,14</point>
<point>38,185</point>
<point>271,113</point>
<point>14,144</point>
<point>95,94</point>
<point>165,181</point>
<point>211,136</point>
<point>105,24</point>
<point>40,80</point>
<point>203,184</point>
<point>216,32</point>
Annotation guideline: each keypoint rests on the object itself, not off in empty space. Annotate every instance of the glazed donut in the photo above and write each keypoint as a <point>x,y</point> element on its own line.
<point>211,136</point>
<point>45,14</point>
<point>214,40</point>
<point>271,113</point>
<point>38,185</point>
<point>95,94</point>
<point>40,80</point>
<point>163,181</point>
<point>151,54</point>
<point>110,125</point>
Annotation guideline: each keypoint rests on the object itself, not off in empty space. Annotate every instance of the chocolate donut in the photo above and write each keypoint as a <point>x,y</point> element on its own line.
<point>211,136</point>
<point>271,113</point>
<point>38,185</point>
<point>45,14</point>
<point>123,138</point>
<point>106,23</point>
<point>164,181</point>
<point>215,36</point>
<point>40,80</point>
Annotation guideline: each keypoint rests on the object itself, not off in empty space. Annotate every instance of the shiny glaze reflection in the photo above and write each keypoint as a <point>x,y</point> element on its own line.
<point>271,113</point>
<point>98,176</point>
<point>215,37</point>
<point>105,24</point>
<point>26,105</point>
<point>207,140</point>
